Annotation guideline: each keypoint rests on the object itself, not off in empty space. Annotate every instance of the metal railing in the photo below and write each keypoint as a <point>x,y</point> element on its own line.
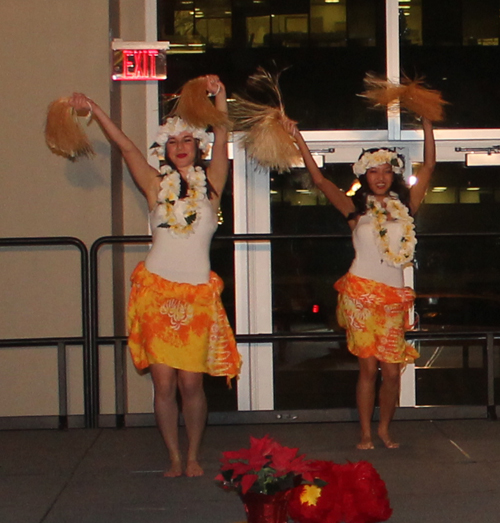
<point>119,342</point>
<point>90,339</point>
<point>63,342</point>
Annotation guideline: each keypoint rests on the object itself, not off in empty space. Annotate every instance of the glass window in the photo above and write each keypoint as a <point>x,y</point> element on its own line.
<point>213,21</point>
<point>258,31</point>
<point>480,22</point>
<point>454,45</point>
<point>290,30</point>
<point>184,23</point>
<point>328,23</point>
<point>461,199</point>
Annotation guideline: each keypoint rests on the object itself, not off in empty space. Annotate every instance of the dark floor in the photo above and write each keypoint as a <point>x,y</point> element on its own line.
<point>445,471</point>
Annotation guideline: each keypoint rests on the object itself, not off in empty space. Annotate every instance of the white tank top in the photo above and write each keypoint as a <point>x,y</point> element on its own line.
<point>183,259</point>
<point>368,262</point>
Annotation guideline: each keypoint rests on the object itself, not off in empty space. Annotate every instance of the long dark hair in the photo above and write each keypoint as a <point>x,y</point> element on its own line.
<point>198,162</point>
<point>398,186</point>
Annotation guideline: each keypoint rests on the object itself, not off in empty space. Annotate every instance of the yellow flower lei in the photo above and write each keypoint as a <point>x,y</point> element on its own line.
<point>178,215</point>
<point>398,212</point>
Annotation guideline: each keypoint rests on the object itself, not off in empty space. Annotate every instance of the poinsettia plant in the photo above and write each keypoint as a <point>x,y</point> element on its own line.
<point>266,467</point>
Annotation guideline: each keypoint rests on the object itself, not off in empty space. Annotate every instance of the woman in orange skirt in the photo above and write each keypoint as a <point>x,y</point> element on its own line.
<point>373,301</point>
<point>177,325</point>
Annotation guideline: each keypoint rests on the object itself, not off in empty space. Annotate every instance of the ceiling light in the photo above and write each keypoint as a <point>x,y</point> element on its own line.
<point>478,159</point>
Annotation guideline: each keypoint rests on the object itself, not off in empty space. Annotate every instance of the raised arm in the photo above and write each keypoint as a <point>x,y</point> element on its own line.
<point>144,174</point>
<point>219,164</point>
<point>417,192</point>
<point>337,197</point>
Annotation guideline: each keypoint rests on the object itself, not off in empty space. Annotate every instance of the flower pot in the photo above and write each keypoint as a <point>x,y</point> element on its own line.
<point>263,508</point>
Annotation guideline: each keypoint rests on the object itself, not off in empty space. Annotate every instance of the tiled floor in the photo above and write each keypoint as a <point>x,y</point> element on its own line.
<point>445,471</point>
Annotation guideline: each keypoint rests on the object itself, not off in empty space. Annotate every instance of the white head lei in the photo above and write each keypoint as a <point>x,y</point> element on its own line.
<point>376,158</point>
<point>173,127</point>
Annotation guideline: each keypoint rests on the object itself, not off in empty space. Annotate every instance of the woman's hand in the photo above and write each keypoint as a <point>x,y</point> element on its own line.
<point>214,85</point>
<point>290,127</point>
<point>82,104</point>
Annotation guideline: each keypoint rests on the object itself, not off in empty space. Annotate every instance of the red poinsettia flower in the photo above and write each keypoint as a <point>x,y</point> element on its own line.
<point>283,459</point>
<point>265,467</point>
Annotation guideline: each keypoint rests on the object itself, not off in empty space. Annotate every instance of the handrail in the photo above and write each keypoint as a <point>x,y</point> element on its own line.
<point>61,342</point>
<point>96,340</point>
<point>90,338</point>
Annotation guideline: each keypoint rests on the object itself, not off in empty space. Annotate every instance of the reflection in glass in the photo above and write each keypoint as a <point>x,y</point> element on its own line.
<point>213,21</point>
<point>290,30</point>
<point>314,375</point>
<point>454,46</point>
<point>184,23</point>
<point>258,30</point>
<point>480,22</point>
<point>328,23</point>
<point>410,22</point>
<point>451,373</point>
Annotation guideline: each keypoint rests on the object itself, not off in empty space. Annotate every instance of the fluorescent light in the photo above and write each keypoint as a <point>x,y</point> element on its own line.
<point>473,188</point>
<point>318,158</point>
<point>439,189</point>
<point>303,191</point>
<point>477,159</point>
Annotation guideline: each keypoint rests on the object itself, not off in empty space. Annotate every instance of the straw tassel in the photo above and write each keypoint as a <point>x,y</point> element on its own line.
<point>411,94</point>
<point>261,125</point>
<point>63,133</point>
<point>195,108</point>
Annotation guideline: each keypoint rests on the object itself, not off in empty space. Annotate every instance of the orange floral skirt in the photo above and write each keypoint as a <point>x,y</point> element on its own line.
<point>375,317</point>
<point>181,325</point>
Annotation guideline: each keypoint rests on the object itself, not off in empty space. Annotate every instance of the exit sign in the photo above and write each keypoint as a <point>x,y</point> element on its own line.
<point>139,60</point>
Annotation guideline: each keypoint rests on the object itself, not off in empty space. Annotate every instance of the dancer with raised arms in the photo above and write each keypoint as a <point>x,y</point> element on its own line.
<point>373,301</point>
<point>177,324</point>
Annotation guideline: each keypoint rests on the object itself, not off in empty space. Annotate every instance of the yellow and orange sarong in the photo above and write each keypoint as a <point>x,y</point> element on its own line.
<point>181,325</point>
<point>375,317</point>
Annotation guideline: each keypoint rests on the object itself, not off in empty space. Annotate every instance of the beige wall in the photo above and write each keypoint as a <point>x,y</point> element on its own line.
<point>50,48</point>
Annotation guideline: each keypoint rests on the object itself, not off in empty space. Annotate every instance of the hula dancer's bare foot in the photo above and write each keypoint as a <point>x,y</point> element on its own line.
<point>386,439</point>
<point>174,471</point>
<point>365,443</point>
<point>193,469</point>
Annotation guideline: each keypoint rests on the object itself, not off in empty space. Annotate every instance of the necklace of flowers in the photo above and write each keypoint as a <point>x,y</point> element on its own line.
<point>178,215</point>
<point>398,212</point>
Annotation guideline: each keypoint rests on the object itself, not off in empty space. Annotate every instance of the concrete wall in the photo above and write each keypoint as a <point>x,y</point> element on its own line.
<point>50,48</point>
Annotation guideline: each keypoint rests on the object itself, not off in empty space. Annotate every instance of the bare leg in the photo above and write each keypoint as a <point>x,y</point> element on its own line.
<point>167,413</point>
<point>389,394</point>
<point>365,397</point>
<point>194,409</point>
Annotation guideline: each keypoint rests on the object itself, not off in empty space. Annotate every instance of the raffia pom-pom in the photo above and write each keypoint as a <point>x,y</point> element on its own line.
<point>261,124</point>
<point>411,95</point>
<point>263,134</point>
<point>63,133</point>
<point>427,103</point>
<point>195,107</point>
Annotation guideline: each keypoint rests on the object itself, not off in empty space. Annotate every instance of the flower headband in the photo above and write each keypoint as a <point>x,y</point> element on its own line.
<point>173,127</point>
<point>379,157</point>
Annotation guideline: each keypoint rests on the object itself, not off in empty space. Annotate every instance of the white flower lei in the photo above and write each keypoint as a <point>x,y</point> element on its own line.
<point>398,212</point>
<point>180,216</point>
<point>173,127</point>
<point>377,158</point>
